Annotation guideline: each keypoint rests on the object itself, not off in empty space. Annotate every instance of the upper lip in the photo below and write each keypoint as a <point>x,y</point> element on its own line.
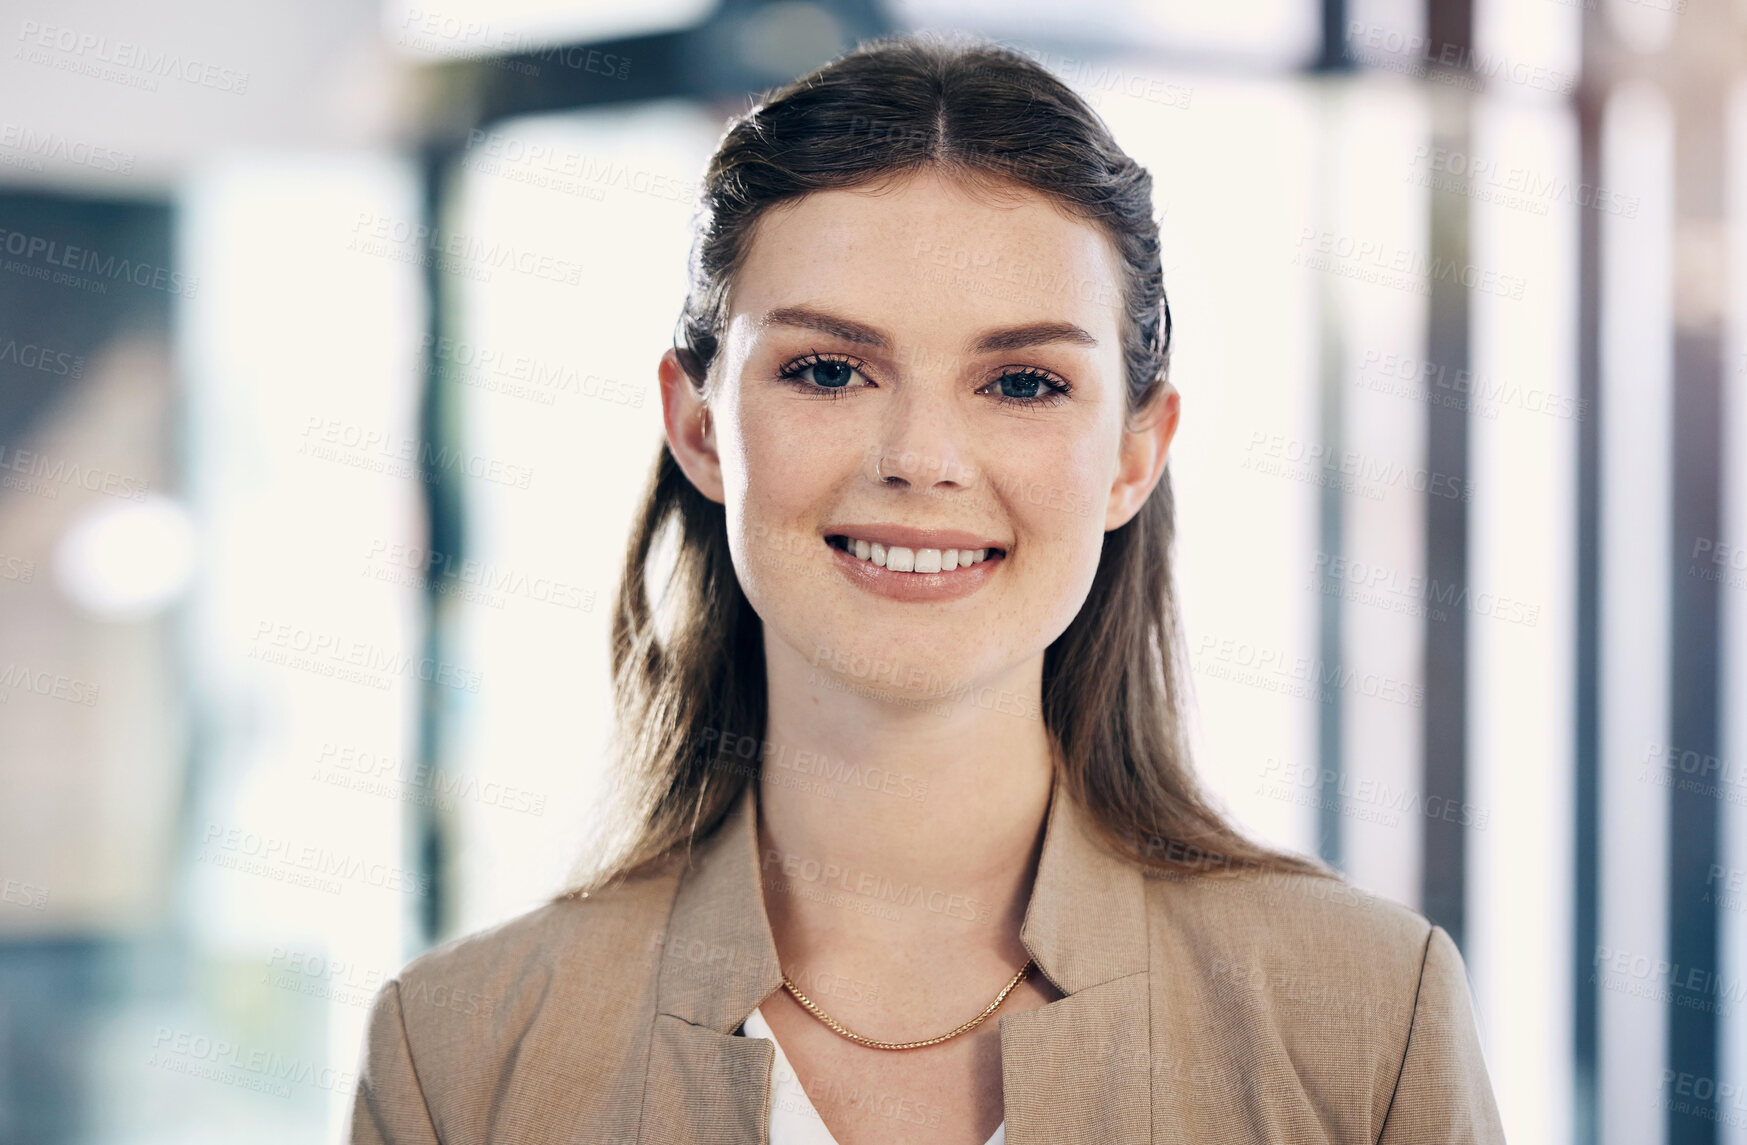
<point>904,536</point>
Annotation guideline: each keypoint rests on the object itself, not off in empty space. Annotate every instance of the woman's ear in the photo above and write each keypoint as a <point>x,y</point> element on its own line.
<point>1141,461</point>
<point>691,435</point>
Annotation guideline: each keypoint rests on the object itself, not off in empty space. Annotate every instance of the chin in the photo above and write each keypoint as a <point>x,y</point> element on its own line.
<point>903,666</point>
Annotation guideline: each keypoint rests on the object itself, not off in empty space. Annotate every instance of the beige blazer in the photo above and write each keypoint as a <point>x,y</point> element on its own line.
<point>1198,1009</point>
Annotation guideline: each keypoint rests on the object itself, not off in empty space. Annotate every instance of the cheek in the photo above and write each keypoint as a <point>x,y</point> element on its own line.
<point>1057,491</point>
<point>790,464</point>
<point>781,474</point>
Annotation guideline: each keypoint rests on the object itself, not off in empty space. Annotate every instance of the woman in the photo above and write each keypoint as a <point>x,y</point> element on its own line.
<point>916,851</point>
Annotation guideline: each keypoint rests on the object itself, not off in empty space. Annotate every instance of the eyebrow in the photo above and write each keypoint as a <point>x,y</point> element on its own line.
<point>1005,338</point>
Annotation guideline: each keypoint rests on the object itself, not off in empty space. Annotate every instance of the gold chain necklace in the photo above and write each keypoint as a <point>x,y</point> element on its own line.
<point>837,1027</point>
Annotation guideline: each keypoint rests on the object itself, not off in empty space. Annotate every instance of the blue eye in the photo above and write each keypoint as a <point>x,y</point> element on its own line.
<point>1030,387</point>
<point>1019,386</point>
<point>831,375</point>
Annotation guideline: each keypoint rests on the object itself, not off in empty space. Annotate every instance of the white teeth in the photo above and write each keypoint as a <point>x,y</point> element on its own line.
<point>897,558</point>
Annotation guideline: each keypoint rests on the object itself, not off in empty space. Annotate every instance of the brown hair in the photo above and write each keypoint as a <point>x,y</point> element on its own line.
<point>1113,681</point>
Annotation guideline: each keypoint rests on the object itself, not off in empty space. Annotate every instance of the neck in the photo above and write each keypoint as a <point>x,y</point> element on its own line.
<point>891,833</point>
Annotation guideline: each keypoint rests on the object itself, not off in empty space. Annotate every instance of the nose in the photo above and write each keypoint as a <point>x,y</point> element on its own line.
<point>921,446</point>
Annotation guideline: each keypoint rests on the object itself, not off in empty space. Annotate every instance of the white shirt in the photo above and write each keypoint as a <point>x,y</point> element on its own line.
<point>793,1120</point>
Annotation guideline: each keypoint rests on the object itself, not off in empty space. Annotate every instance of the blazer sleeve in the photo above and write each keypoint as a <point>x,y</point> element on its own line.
<point>1442,1092</point>
<point>389,1107</point>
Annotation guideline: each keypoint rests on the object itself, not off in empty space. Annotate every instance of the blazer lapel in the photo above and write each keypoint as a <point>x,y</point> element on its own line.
<point>705,1087</point>
<point>717,963</point>
<point>1079,1068</point>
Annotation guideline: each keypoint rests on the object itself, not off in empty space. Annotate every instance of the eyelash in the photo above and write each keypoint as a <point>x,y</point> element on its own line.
<point>1052,390</point>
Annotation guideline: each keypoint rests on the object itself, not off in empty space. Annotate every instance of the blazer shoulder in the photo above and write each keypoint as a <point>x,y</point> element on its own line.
<point>607,932</point>
<point>1312,959</point>
<point>1330,991</point>
<point>591,947</point>
<point>1316,922</point>
<point>572,982</point>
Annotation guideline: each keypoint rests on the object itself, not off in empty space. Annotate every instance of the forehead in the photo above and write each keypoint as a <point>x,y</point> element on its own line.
<point>932,259</point>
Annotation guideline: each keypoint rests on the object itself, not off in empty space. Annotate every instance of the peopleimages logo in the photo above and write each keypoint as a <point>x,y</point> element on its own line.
<point>1387,264</point>
<point>878,887</point>
<point>397,454</point>
<point>55,685</point>
<point>1417,55</point>
<point>86,51</point>
<point>38,145</point>
<point>409,240</point>
<point>445,33</point>
<point>830,770</point>
<point>36,249</point>
<point>30,356</point>
<point>289,860</point>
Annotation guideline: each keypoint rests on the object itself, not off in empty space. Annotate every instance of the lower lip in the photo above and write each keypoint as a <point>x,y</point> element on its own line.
<point>960,582</point>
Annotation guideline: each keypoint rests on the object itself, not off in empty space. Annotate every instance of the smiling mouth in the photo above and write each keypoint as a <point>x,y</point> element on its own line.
<point>896,558</point>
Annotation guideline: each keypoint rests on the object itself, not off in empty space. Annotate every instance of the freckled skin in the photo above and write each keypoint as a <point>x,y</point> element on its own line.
<point>1046,480</point>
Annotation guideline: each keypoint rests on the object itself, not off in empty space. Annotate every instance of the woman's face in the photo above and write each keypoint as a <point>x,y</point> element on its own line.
<point>934,372</point>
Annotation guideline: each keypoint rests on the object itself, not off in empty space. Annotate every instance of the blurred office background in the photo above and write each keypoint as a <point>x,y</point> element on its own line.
<point>328,336</point>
